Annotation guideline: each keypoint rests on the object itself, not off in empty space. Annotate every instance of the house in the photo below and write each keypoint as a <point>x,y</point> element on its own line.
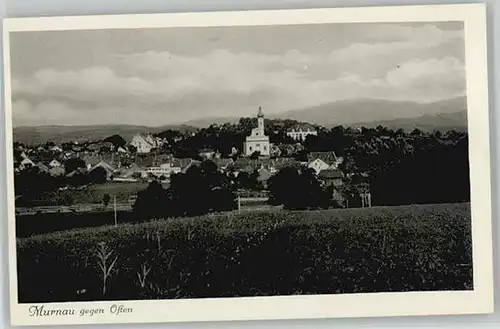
<point>165,169</point>
<point>56,149</point>
<point>182,163</point>
<point>122,150</point>
<point>318,165</point>
<point>192,163</point>
<point>263,176</point>
<point>331,177</point>
<point>42,167</point>
<point>275,151</point>
<point>110,170</point>
<point>247,165</point>
<point>131,173</point>
<point>91,160</point>
<point>76,172</point>
<point>257,141</point>
<point>280,163</point>
<point>206,153</point>
<point>55,163</point>
<point>96,147</point>
<point>223,164</point>
<point>334,179</point>
<point>57,171</point>
<point>323,160</point>
<point>143,143</point>
<point>26,163</point>
<point>301,130</point>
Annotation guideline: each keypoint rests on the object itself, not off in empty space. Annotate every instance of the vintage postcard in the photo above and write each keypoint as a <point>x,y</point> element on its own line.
<point>284,164</point>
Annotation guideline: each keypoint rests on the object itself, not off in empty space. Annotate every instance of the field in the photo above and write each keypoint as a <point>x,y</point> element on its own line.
<point>92,194</point>
<point>379,249</point>
<point>42,220</point>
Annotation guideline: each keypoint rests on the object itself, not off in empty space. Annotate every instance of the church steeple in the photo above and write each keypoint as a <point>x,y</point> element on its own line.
<point>260,121</point>
<point>260,115</point>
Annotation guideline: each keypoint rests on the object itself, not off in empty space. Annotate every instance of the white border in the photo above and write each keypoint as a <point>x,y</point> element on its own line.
<point>478,301</point>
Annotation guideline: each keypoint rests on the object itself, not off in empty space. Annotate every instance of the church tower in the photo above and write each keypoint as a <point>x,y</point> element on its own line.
<point>260,120</point>
<point>258,141</point>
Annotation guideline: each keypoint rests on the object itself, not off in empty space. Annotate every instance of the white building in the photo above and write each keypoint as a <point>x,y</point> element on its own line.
<point>143,144</point>
<point>301,131</point>
<point>318,165</point>
<point>320,161</point>
<point>56,148</point>
<point>26,163</point>
<point>165,169</point>
<point>257,141</point>
<point>54,163</point>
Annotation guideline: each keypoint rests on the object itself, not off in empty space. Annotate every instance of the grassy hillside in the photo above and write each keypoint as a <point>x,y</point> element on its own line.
<point>407,248</point>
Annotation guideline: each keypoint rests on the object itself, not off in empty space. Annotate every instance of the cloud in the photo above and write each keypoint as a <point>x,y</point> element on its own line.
<point>159,87</point>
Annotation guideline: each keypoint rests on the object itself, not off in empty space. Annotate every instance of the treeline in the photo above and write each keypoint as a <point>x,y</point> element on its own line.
<point>223,138</point>
<point>32,184</point>
<point>410,168</point>
<point>396,166</point>
<point>202,189</point>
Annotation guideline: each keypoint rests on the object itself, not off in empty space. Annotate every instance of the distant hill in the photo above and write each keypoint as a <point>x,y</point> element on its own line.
<point>447,114</point>
<point>370,113</point>
<point>351,112</point>
<point>61,134</point>
<point>208,121</point>
<point>427,123</point>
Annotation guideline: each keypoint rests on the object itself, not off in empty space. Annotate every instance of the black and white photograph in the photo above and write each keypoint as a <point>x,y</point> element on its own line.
<point>197,162</point>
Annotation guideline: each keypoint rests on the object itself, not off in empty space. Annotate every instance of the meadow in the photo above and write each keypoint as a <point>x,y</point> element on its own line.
<point>378,249</point>
<point>92,194</point>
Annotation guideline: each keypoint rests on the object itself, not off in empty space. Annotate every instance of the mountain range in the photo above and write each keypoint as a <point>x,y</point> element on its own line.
<point>444,115</point>
<point>447,114</point>
<point>353,112</point>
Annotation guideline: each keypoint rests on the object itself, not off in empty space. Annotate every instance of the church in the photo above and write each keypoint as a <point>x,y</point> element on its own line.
<point>257,141</point>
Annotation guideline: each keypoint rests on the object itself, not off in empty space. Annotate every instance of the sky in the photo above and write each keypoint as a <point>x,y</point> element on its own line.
<point>170,75</point>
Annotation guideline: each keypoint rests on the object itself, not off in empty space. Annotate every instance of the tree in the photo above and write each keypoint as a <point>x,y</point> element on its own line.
<point>97,176</point>
<point>298,188</point>
<point>116,140</point>
<point>68,200</point>
<point>301,155</point>
<point>153,202</point>
<point>73,164</point>
<point>249,181</point>
<point>32,183</point>
<point>255,155</point>
<point>105,199</point>
<point>202,189</point>
<point>132,149</point>
<point>210,188</point>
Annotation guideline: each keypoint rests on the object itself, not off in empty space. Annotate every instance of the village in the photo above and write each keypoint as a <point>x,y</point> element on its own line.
<point>142,160</point>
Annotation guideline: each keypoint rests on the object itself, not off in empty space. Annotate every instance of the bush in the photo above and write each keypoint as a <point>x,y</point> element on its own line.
<point>105,199</point>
